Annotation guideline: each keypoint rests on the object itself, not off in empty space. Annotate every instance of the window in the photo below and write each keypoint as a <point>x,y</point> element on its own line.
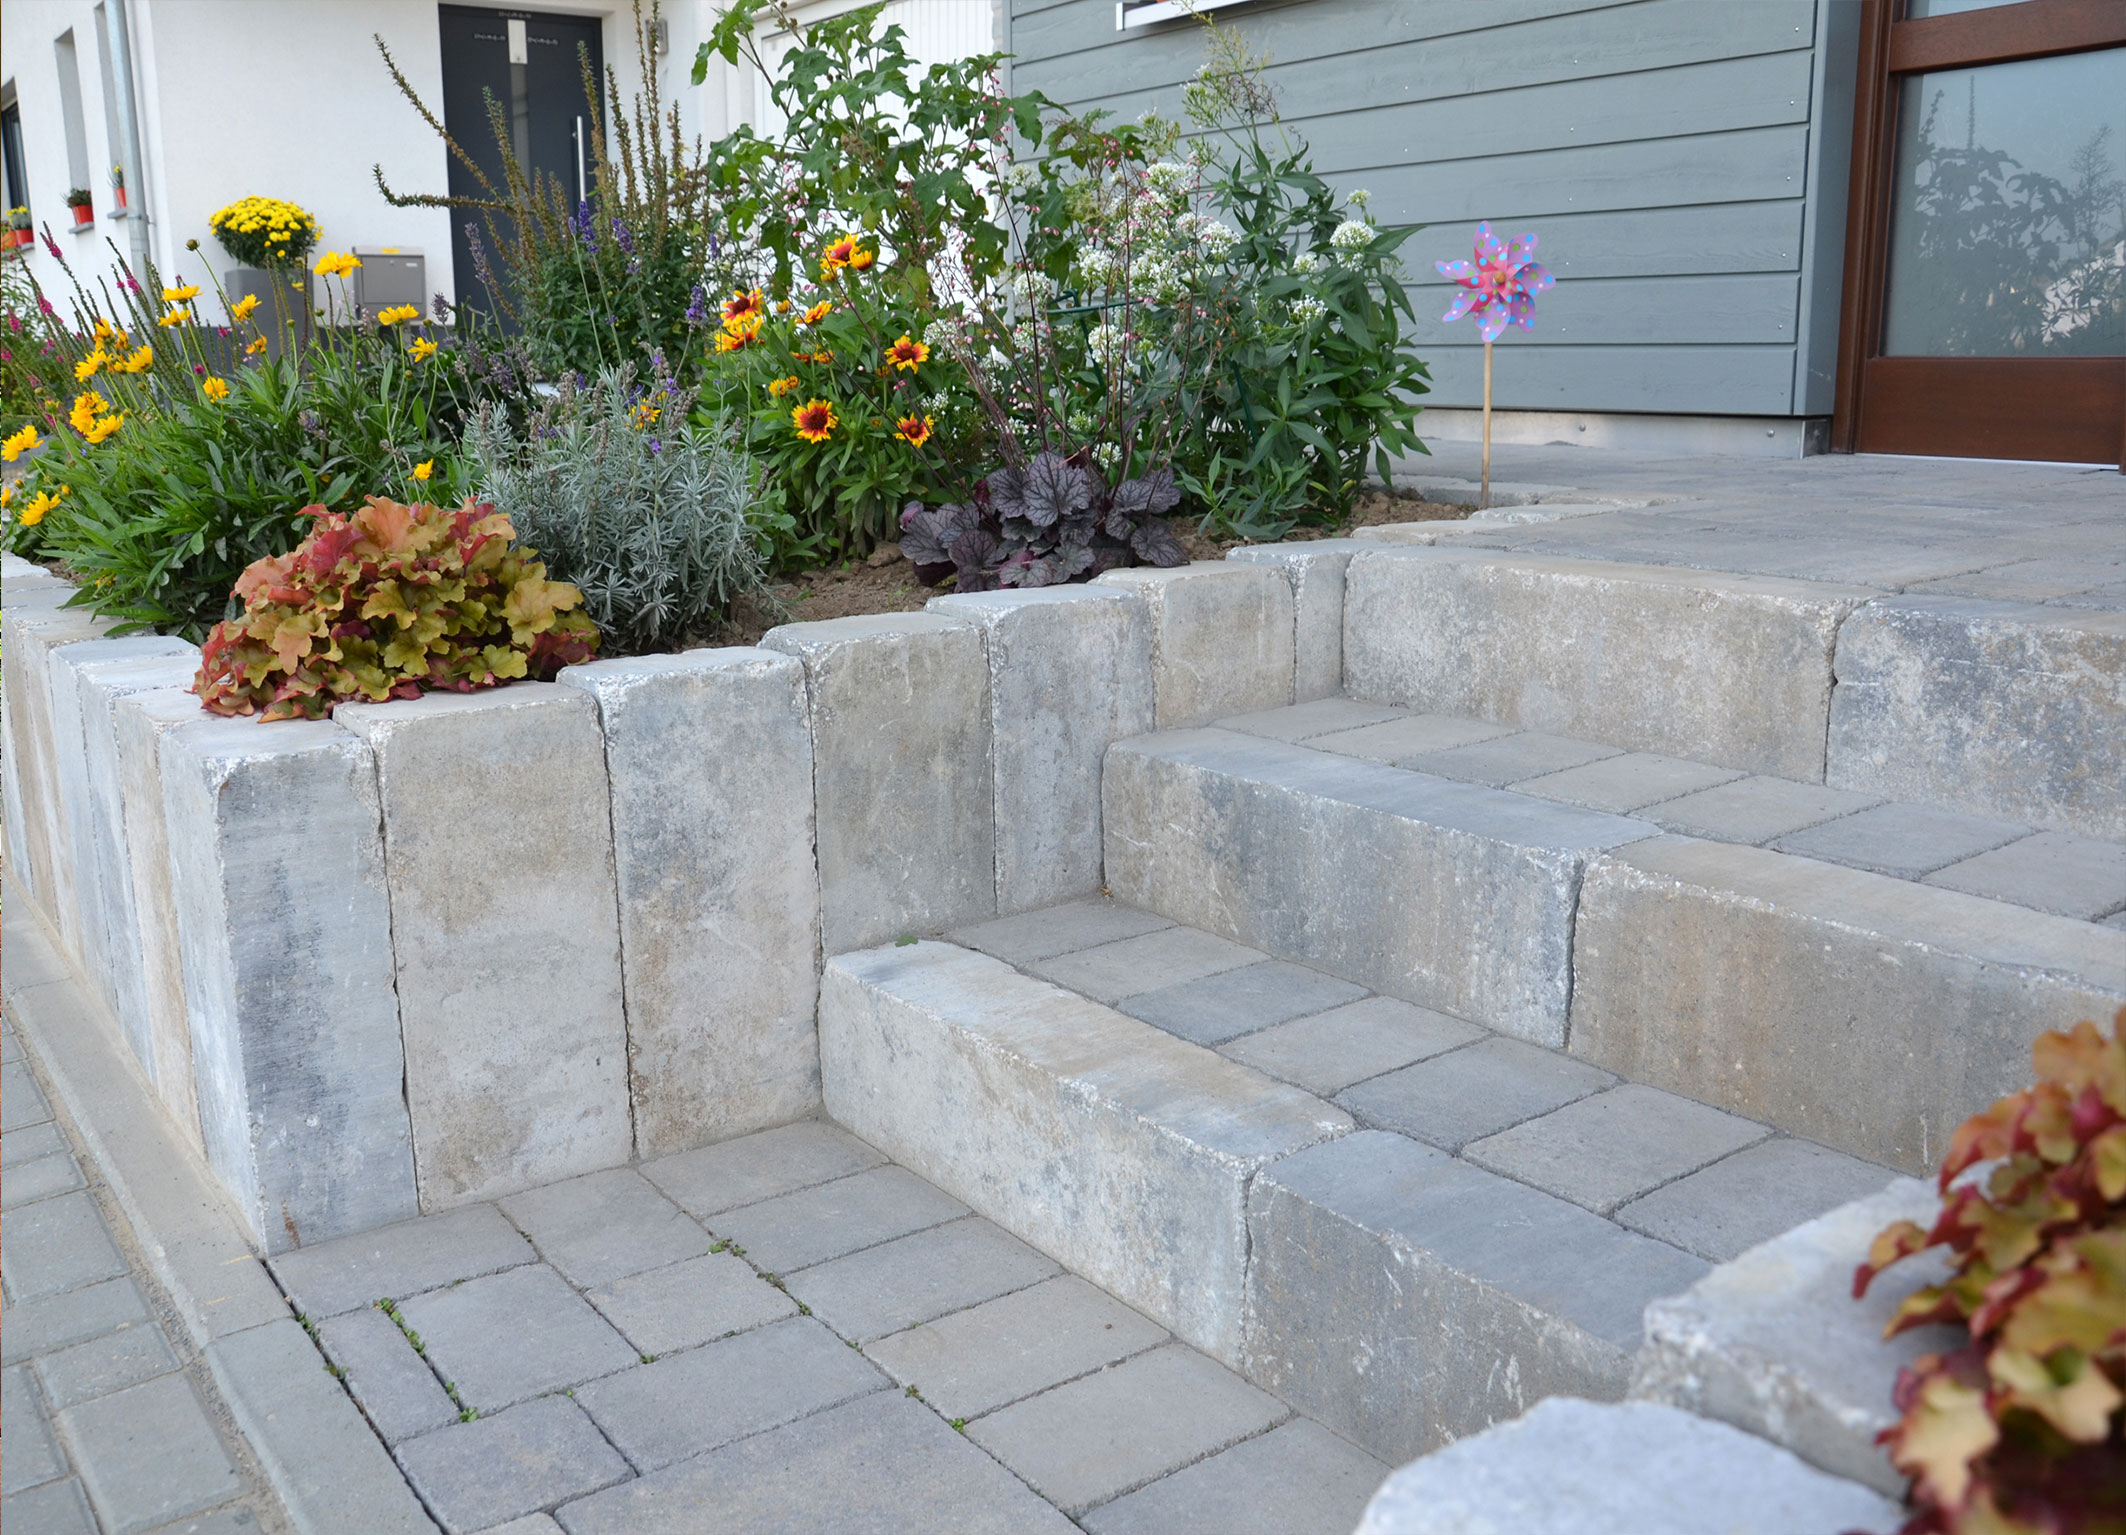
<point>18,187</point>
<point>1141,13</point>
<point>77,133</point>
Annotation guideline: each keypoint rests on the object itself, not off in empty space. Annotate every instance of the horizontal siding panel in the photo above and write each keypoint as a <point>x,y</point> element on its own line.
<point>1367,67</point>
<point>1621,311</point>
<point>1727,237</point>
<point>1690,380</point>
<point>1759,164</point>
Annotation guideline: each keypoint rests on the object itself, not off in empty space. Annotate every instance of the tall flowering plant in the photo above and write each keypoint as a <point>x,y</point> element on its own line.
<point>845,400</point>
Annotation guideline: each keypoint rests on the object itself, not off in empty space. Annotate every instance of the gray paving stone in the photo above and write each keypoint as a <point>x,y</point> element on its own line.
<point>1316,718</point>
<point>1452,1099</point>
<point>1751,1197</point>
<point>103,1365</point>
<point>716,1178</point>
<point>226,1521</point>
<point>1404,1298</point>
<point>476,1475</point>
<point>1627,783</point>
<point>1132,966</point>
<point>918,1277</point>
<point>1095,1438</point>
<point>1509,759</point>
<point>32,1143</point>
<point>1044,934</point>
<point>691,1303</point>
<point>1005,1350</point>
<point>393,1384</point>
<point>1556,1470</point>
<point>882,1464</point>
<point>1755,809</point>
<point>38,1326</point>
<point>688,1403</point>
<point>1329,1051</point>
<point>1298,1479</point>
<point>1410,735</point>
<point>31,1454</point>
<point>148,1455</point>
<point>530,1524</point>
<point>400,1261</point>
<point>1614,1146</point>
<point>2053,871</point>
<point>812,1225</point>
<point>1220,1007</point>
<point>508,1336</point>
<point>56,1508</point>
<point>58,1244</point>
<point>21,1104</point>
<point>27,1182</point>
<point>604,1226</point>
<point>1902,840</point>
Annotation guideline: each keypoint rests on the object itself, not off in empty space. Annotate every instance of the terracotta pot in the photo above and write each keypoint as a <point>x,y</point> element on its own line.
<point>83,214</point>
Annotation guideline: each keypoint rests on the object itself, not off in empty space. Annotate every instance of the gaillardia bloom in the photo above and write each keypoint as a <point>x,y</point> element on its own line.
<point>838,255</point>
<point>741,308</point>
<point>817,312</point>
<point>914,430</point>
<point>906,353</point>
<point>815,420</point>
<point>782,386</point>
<point>737,334</point>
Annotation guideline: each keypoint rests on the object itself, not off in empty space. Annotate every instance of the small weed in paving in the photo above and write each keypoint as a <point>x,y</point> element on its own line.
<point>450,1387</point>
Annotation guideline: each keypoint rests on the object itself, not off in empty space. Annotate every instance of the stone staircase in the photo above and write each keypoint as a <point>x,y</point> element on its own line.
<point>1432,1042</point>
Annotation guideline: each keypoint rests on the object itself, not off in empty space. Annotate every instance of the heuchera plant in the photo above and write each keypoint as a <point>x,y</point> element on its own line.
<point>1053,521</point>
<point>388,603</point>
<point>2022,1431</point>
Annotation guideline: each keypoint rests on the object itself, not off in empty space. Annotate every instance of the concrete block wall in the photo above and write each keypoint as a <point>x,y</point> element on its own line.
<point>437,950</point>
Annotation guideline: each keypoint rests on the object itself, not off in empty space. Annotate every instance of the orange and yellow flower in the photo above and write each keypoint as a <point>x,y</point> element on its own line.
<point>861,259</point>
<point>816,420</point>
<point>104,428</point>
<point>19,444</point>
<point>142,359</point>
<point>422,349</point>
<point>914,430</point>
<point>735,336</point>
<point>33,512</point>
<point>743,307</point>
<point>243,307</point>
<point>255,347</point>
<point>215,388</point>
<point>822,355</point>
<point>88,405</point>
<point>174,317</point>
<point>838,254</point>
<point>906,353</point>
<point>424,468</point>
<point>783,386</point>
<point>817,312</point>
<point>85,369</point>
<point>183,295</point>
<point>336,265</point>
<point>398,313</point>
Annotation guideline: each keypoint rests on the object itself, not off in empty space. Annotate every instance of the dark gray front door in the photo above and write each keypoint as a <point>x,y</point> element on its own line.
<point>529,64</point>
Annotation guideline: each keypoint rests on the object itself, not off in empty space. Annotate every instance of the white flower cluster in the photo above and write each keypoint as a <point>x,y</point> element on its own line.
<point>1358,197</point>
<point>1107,455</point>
<point>1034,289</point>
<point>1307,309</point>
<point>1214,239</point>
<point>1105,342</point>
<point>1169,177</point>
<point>1081,422</point>
<point>1307,264</point>
<point>1098,267</point>
<point>1352,235</point>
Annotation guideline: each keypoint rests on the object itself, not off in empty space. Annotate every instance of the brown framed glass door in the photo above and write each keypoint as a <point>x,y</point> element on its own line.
<point>1985,302</point>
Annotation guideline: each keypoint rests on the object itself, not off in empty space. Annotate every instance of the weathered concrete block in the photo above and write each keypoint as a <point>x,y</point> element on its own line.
<point>1865,1012</point>
<point>110,919</point>
<point>904,794</point>
<point>139,722</point>
<point>277,868</point>
<point>1120,1151</point>
<point>28,636</point>
<point>1639,1468</point>
<point>1446,894</point>
<point>1222,638</point>
<point>29,588</point>
<point>1406,1299</point>
<point>1070,673</point>
<point>1316,572</point>
<point>1648,657</point>
<point>2005,708</point>
<point>506,935</point>
<point>1774,1343</point>
<point>710,757</point>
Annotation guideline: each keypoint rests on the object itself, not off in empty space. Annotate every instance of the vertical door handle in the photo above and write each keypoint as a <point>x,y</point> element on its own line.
<point>583,194</point>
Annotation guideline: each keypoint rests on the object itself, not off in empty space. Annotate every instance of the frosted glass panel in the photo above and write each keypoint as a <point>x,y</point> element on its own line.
<point>2008,219</point>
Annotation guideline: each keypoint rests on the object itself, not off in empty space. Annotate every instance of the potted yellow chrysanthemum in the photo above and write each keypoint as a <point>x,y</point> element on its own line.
<point>271,240</point>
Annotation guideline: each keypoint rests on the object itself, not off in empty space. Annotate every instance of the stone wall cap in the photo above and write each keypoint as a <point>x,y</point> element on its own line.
<point>984,606</point>
<point>1719,582</point>
<point>610,671</point>
<point>1991,611</point>
<point>100,658</point>
<point>1164,575</point>
<point>370,720</point>
<point>828,633</point>
<point>229,741</point>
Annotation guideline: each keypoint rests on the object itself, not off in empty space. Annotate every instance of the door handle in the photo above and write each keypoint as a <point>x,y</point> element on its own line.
<point>582,186</point>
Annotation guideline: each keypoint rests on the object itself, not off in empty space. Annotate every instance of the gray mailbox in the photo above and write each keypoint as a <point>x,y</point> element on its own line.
<point>390,275</point>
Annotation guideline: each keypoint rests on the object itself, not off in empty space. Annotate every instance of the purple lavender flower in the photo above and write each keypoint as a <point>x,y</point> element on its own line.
<point>585,227</point>
<point>698,310</point>
<point>620,233</point>
<point>480,268</point>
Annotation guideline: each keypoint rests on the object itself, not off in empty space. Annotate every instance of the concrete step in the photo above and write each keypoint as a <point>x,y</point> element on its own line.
<point>1841,981</point>
<point>2003,709</point>
<point>1473,1222</point>
<point>1774,1343</point>
<point>1583,1468</point>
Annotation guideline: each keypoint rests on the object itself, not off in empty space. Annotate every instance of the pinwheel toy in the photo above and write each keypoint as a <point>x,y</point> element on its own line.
<point>1499,288</point>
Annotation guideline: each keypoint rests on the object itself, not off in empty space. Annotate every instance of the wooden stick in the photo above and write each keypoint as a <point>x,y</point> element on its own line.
<point>1483,495</point>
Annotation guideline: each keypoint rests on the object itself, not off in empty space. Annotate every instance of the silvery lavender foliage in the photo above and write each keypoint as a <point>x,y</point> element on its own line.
<point>643,512</point>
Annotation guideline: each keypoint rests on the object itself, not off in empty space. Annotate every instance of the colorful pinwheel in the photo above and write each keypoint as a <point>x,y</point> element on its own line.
<point>1500,286</point>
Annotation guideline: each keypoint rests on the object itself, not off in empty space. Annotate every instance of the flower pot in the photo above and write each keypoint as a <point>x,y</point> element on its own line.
<point>21,237</point>
<point>118,195</point>
<point>283,294</point>
<point>83,214</point>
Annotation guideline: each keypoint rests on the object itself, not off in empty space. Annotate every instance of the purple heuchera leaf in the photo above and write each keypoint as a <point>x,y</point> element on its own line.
<point>1050,489</point>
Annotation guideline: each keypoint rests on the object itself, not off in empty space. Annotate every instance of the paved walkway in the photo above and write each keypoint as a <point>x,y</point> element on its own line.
<point>108,1424</point>
<point>787,1332</point>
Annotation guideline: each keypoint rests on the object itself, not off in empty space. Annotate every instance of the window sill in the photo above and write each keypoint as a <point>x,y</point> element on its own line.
<point>83,229</point>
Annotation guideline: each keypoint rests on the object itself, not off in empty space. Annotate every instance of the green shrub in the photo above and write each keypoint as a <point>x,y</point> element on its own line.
<point>646,513</point>
<point>389,603</point>
<point>2022,1430</point>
